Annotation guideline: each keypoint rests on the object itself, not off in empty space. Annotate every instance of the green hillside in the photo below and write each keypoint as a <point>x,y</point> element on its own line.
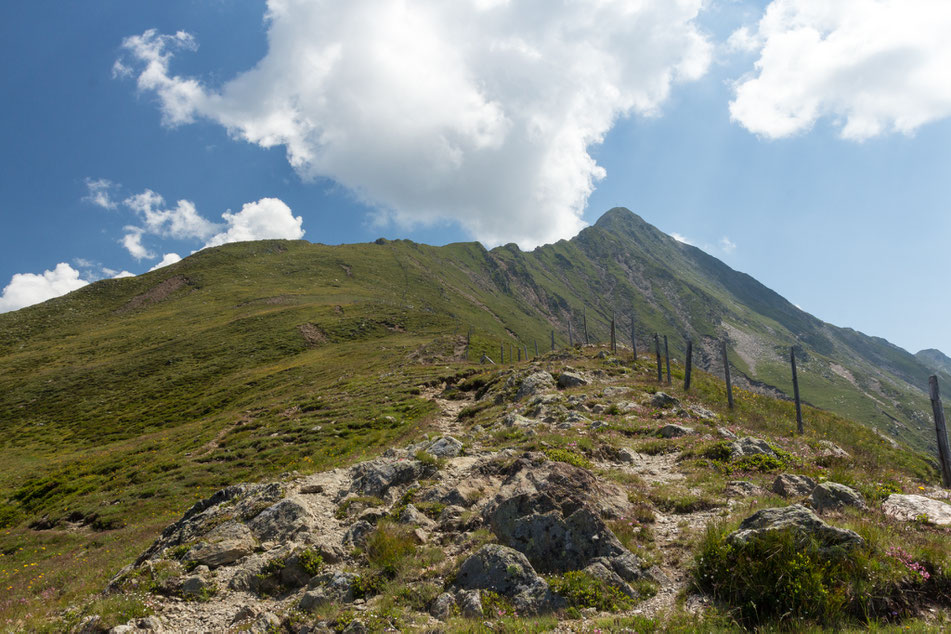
<point>123,402</point>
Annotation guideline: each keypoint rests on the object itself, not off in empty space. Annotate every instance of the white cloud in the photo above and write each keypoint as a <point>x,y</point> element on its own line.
<point>132,241</point>
<point>168,258</point>
<point>727,245</point>
<point>181,221</point>
<point>871,66</point>
<point>26,289</point>
<point>480,111</point>
<point>680,238</point>
<point>99,193</point>
<point>120,274</point>
<point>266,218</point>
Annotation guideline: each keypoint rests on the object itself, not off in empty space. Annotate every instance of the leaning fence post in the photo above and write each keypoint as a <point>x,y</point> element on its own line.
<point>726,375</point>
<point>689,365</point>
<point>501,353</point>
<point>571,339</point>
<point>536,347</point>
<point>468,337</point>
<point>552,340</point>
<point>795,387</point>
<point>944,453</point>
<point>660,377</point>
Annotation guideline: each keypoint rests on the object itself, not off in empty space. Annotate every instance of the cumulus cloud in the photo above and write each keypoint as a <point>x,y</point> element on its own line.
<point>474,110</point>
<point>118,275</point>
<point>266,218</point>
<point>181,221</point>
<point>26,289</point>
<point>168,258</point>
<point>99,193</point>
<point>132,241</point>
<point>870,66</point>
<point>727,245</point>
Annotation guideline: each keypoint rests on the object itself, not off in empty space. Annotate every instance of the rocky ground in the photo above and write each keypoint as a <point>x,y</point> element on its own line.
<point>467,527</point>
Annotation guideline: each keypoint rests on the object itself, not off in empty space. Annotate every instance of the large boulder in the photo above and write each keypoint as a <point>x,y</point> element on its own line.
<point>571,379</point>
<point>508,573</point>
<point>793,486</point>
<point>223,546</point>
<point>375,477</point>
<point>828,449</point>
<point>664,400</point>
<point>910,508</point>
<point>674,431</point>
<point>445,447</point>
<point>282,521</point>
<point>748,446</point>
<point>832,496</point>
<point>535,383</point>
<point>795,518</point>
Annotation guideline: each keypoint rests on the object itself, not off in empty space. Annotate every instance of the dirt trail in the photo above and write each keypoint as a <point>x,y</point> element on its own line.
<point>447,421</point>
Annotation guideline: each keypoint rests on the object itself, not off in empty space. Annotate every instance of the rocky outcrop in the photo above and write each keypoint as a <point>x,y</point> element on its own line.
<point>571,379</point>
<point>674,431</point>
<point>664,400</point>
<point>791,486</point>
<point>797,519</point>
<point>913,508</point>
<point>748,446</point>
<point>832,496</point>
<point>507,572</point>
<point>535,383</point>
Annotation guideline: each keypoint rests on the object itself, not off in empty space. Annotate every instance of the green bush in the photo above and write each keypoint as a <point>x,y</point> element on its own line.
<point>310,561</point>
<point>568,456</point>
<point>582,590</point>
<point>390,547</point>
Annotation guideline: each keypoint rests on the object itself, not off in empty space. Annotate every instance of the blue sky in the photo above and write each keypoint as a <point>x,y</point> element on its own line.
<point>806,146</point>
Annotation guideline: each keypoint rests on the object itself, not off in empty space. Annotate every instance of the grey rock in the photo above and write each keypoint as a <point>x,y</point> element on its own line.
<point>355,627</point>
<point>337,585</point>
<point>791,486</point>
<point>598,424</point>
<point>412,515</point>
<point>831,496</point>
<point>828,449</point>
<point>313,600</point>
<point>122,629</point>
<point>725,433</point>
<point>674,431</point>
<point>742,489</point>
<point>376,477</point>
<point>445,447</point>
<point>910,508</point>
<point>612,391</point>
<point>225,545</point>
<point>442,606</point>
<point>701,413</point>
<point>266,622</point>
<point>282,521</point>
<point>571,379</point>
<point>470,603</point>
<point>626,456</point>
<point>194,586</point>
<point>245,613</point>
<point>603,571</point>
<point>517,420</point>
<point>507,572</point>
<point>796,518</point>
<point>748,446</point>
<point>625,407</point>
<point>664,400</point>
<point>150,623</point>
<point>357,534</point>
<point>534,383</point>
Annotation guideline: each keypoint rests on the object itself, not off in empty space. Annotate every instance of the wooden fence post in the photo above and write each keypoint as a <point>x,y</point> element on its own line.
<point>689,365</point>
<point>536,348</point>
<point>667,358</point>
<point>633,338</point>
<point>552,340</point>
<point>726,375</point>
<point>944,453</point>
<point>501,353</point>
<point>660,377</point>
<point>519,349</point>
<point>584,316</point>
<point>795,387</point>
<point>468,338</point>
<point>571,338</point>
<point>613,337</point>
